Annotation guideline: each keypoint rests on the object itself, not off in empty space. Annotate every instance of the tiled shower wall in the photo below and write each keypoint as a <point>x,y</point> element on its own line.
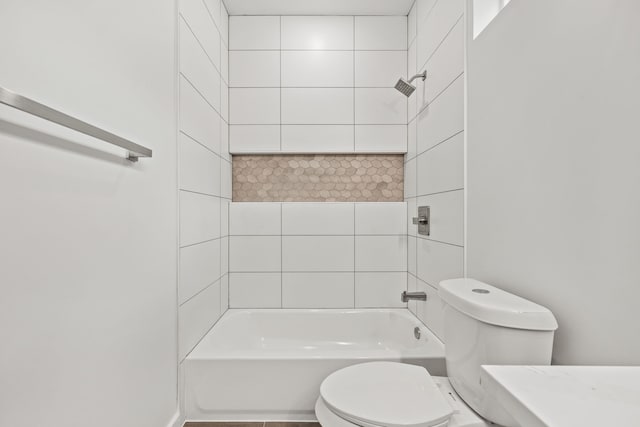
<point>317,255</point>
<point>317,84</point>
<point>434,169</point>
<point>204,169</point>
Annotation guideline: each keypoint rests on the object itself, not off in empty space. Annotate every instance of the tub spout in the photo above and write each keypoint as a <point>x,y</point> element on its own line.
<point>419,296</point>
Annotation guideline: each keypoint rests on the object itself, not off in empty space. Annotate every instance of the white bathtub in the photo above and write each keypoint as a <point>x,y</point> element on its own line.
<point>259,365</point>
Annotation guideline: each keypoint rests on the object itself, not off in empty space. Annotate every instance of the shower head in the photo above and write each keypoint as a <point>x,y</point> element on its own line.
<point>405,87</point>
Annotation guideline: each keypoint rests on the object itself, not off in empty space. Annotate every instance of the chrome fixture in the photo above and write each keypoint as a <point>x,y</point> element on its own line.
<point>405,87</point>
<point>418,296</point>
<point>30,106</point>
<point>416,332</point>
<point>423,220</point>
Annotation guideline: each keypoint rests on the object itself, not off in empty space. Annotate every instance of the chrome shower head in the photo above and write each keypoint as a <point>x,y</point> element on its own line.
<point>405,87</point>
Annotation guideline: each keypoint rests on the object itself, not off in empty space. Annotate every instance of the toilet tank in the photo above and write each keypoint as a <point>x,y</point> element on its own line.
<point>484,325</point>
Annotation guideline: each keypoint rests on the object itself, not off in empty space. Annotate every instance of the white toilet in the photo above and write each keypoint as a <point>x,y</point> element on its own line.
<point>483,325</point>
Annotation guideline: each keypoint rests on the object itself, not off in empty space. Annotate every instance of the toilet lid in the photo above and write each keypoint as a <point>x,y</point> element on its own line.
<point>385,394</point>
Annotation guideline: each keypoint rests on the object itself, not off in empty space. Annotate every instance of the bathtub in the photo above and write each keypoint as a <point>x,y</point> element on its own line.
<point>257,365</point>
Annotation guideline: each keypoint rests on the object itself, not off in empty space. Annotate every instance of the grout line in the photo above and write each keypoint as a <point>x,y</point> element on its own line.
<point>199,243</point>
<point>436,193</point>
<point>439,143</point>
<point>435,287</point>
<point>199,42</point>
<point>420,112</point>
<point>215,24</point>
<point>425,106</point>
<point>438,241</point>
<point>219,279</point>
<point>442,41</point>
<point>202,145</point>
<point>201,338</point>
<point>201,193</point>
<point>201,95</point>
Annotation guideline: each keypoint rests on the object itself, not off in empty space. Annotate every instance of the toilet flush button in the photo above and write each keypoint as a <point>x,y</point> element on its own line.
<point>480,291</point>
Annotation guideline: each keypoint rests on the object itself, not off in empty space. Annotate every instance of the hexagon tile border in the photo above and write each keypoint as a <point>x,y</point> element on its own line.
<point>318,178</point>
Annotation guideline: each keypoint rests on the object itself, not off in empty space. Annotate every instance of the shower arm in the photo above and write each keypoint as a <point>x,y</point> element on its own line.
<point>422,74</point>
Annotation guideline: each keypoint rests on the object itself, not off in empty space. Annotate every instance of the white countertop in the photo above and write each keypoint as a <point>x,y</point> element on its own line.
<point>567,396</point>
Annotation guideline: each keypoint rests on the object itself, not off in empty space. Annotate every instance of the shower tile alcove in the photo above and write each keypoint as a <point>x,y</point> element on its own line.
<point>312,178</point>
<point>318,137</point>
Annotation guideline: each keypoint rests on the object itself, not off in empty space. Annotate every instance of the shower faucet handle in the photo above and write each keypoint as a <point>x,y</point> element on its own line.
<point>423,220</point>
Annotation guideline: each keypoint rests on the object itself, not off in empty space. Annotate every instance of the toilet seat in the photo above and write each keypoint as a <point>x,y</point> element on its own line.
<point>385,394</point>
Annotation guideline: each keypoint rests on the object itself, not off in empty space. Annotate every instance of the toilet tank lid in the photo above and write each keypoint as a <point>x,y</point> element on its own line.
<point>491,305</point>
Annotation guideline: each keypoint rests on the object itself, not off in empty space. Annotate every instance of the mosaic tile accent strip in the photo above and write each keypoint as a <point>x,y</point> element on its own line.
<point>318,178</point>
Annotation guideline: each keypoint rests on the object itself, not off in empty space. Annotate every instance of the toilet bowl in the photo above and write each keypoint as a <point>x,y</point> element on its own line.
<point>391,394</point>
<point>483,325</point>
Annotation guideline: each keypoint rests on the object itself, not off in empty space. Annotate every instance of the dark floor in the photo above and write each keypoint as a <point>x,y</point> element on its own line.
<point>253,424</point>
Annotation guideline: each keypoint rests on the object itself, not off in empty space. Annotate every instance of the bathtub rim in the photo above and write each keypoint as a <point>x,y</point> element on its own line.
<point>367,355</point>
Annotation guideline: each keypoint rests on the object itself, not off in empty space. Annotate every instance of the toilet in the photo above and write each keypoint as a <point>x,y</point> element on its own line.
<point>483,325</point>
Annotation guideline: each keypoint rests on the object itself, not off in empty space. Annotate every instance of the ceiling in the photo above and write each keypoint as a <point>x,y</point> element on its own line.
<point>318,7</point>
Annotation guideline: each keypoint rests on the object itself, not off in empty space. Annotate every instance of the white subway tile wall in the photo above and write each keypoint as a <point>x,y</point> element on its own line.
<point>317,106</point>
<point>379,68</point>
<point>317,68</point>
<point>312,290</point>
<point>380,138</point>
<point>380,289</point>
<point>254,253</point>
<point>204,169</point>
<point>380,106</point>
<point>254,69</point>
<point>324,82</point>
<point>316,138</point>
<point>254,33</point>
<point>434,163</point>
<point>256,106</point>
<point>317,32</point>
<point>317,255</point>
<point>381,33</point>
<point>257,138</point>
<point>249,290</point>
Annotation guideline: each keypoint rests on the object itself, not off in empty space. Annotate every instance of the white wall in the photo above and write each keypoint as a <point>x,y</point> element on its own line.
<point>434,164</point>
<point>553,168</point>
<point>317,84</point>
<point>88,247</point>
<point>317,255</point>
<point>204,169</point>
